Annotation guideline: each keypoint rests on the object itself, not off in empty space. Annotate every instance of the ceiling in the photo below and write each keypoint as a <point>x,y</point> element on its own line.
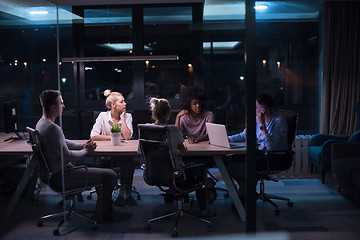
<point>17,12</point>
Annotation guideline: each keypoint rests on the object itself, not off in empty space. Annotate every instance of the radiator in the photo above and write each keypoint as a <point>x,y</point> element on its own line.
<point>301,160</point>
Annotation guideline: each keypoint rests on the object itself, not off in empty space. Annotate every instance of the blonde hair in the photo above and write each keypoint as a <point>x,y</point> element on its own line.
<point>160,109</point>
<point>111,97</point>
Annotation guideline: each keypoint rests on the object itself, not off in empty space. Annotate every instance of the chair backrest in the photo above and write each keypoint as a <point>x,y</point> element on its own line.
<point>140,117</point>
<point>95,115</point>
<point>355,137</point>
<point>154,143</point>
<point>291,119</point>
<point>35,145</point>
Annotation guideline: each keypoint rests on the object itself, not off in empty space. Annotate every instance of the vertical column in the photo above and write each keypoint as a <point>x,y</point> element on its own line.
<point>78,33</point>
<point>197,20</point>
<point>250,68</point>
<point>137,29</point>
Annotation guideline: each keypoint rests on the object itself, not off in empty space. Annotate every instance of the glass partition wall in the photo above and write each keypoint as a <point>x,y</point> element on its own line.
<point>207,40</point>
<point>200,44</point>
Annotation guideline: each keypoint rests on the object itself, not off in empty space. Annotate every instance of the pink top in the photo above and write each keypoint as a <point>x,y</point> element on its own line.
<point>196,128</point>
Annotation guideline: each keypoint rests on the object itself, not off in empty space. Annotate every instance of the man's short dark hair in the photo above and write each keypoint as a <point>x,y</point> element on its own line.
<point>49,98</point>
<point>266,100</point>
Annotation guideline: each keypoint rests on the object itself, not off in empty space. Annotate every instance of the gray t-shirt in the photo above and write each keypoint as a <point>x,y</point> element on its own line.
<point>53,141</point>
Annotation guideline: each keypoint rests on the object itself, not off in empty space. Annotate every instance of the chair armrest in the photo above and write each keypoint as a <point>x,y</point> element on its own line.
<point>280,152</point>
<point>275,159</point>
<point>85,186</point>
<point>345,150</point>
<point>193,166</point>
<point>326,149</point>
<point>320,139</point>
<point>190,167</point>
<point>190,177</point>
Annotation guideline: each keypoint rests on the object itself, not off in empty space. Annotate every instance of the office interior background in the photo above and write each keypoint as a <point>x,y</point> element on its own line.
<point>197,43</point>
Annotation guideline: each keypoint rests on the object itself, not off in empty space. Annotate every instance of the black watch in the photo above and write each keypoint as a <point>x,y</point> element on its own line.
<point>262,128</point>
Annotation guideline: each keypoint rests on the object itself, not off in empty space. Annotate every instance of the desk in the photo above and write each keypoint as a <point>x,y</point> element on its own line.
<point>206,149</point>
<point>4,136</point>
<point>127,148</point>
<point>16,148</point>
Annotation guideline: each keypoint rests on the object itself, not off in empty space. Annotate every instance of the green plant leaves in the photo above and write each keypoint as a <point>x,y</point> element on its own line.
<point>115,128</point>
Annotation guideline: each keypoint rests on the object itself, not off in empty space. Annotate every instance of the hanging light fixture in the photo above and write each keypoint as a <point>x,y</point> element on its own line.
<point>131,58</point>
<point>122,58</point>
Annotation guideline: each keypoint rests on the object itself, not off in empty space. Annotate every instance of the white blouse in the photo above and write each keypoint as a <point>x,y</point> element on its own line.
<point>104,122</point>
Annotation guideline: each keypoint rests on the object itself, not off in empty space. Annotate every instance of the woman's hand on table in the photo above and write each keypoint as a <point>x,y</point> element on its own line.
<point>192,140</point>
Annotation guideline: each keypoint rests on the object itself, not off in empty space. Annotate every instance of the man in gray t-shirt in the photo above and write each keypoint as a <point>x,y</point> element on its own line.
<point>55,148</point>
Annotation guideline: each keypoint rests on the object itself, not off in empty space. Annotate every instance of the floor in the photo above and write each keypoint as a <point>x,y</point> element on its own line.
<point>319,212</point>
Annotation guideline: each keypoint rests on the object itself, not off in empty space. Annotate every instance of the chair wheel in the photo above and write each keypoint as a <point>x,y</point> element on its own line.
<point>277,212</point>
<point>56,232</point>
<point>210,228</point>
<point>174,234</point>
<point>93,228</point>
<point>290,204</point>
<point>40,223</point>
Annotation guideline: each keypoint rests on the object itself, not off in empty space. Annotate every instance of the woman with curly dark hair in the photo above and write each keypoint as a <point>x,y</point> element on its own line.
<point>193,116</point>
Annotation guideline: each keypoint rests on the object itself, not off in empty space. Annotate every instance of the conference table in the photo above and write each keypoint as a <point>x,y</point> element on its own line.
<point>126,148</point>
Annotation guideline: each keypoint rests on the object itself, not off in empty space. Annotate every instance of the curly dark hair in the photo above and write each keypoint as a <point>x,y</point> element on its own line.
<point>190,93</point>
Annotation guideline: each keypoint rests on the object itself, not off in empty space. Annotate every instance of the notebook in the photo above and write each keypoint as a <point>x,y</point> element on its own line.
<point>218,136</point>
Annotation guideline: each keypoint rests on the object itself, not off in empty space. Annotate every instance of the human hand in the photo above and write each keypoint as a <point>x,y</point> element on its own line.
<point>122,115</point>
<point>260,119</point>
<point>182,112</point>
<point>192,140</point>
<point>90,145</point>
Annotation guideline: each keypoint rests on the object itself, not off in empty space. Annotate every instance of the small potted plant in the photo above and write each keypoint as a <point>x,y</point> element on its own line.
<point>115,134</point>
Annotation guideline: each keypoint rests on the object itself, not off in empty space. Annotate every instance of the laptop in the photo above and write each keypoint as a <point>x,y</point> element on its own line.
<point>218,136</point>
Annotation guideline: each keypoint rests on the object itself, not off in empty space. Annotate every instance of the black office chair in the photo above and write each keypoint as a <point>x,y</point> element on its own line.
<point>47,176</point>
<point>160,170</point>
<point>278,161</point>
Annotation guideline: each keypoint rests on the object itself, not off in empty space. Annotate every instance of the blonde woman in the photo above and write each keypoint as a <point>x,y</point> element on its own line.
<point>117,114</point>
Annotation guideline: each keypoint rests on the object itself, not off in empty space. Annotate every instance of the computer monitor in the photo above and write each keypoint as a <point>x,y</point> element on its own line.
<point>10,116</point>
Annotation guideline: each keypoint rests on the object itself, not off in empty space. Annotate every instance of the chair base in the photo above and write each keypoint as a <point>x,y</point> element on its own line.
<point>66,215</point>
<point>211,192</point>
<point>133,190</point>
<point>267,198</point>
<point>179,213</point>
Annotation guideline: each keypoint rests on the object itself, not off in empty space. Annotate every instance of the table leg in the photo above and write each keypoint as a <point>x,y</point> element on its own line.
<point>20,188</point>
<point>231,187</point>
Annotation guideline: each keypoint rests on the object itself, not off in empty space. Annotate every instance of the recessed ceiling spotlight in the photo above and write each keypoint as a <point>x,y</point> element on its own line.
<point>261,7</point>
<point>38,12</point>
